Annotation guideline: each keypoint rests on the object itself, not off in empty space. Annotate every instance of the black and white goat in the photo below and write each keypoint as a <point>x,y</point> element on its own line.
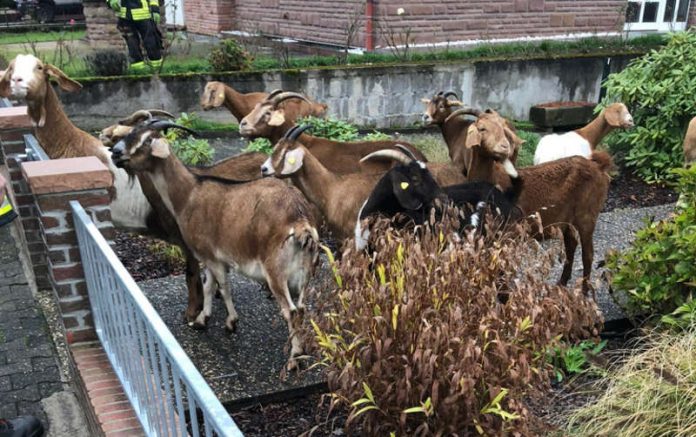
<point>410,190</point>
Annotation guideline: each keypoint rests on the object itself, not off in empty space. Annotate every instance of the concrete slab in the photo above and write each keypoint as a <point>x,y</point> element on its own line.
<point>65,416</point>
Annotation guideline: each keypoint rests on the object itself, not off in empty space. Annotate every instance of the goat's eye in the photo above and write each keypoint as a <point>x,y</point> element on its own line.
<point>39,67</point>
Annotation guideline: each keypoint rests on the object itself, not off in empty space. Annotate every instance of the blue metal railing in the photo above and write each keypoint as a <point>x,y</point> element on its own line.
<point>164,387</point>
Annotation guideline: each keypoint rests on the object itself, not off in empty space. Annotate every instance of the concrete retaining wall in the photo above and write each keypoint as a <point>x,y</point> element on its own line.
<point>380,96</point>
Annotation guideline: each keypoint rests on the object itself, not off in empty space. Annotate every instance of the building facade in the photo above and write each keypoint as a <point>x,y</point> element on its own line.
<point>434,22</point>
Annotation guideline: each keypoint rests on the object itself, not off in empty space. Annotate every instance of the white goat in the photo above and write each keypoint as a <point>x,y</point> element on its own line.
<point>27,78</point>
<point>583,141</point>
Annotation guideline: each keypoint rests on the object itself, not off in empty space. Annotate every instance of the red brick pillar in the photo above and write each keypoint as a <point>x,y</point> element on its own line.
<point>14,124</point>
<point>54,184</point>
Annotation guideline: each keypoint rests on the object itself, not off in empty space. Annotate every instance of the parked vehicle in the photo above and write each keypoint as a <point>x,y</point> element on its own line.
<point>44,11</point>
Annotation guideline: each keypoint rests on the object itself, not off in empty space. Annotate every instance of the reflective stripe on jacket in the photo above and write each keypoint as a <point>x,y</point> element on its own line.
<point>138,10</point>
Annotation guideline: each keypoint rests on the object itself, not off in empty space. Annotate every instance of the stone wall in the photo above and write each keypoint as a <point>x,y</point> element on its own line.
<point>380,96</point>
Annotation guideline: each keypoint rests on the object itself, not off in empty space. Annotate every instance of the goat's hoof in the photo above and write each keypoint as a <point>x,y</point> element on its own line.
<point>293,365</point>
<point>231,325</point>
<point>198,326</point>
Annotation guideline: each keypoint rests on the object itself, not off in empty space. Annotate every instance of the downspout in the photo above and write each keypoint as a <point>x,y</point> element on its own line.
<point>369,31</point>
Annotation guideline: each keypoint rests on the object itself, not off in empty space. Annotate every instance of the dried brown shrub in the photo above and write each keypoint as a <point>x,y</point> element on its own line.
<point>417,342</point>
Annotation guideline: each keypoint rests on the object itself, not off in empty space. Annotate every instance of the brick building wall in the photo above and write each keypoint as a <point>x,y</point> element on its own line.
<point>692,15</point>
<point>431,21</point>
<point>209,17</point>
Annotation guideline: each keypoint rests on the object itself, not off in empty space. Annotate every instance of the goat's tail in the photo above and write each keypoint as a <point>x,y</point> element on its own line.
<point>603,160</point>
<point>307,238</point>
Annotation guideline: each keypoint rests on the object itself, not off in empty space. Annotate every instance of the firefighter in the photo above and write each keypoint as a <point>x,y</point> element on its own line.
<point>137,21</point>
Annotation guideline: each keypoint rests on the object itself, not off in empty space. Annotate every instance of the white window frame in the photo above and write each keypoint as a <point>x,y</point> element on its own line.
<point>659,25</point>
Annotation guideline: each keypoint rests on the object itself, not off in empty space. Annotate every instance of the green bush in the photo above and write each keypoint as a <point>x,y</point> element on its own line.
<point>525,158</point>
<point>417,344</point>
<point>573,359</point>
<point>259,145</point>
<point>229,55</point>
<point>652,394</point>
<point>658,273</point>
<point>330,128</point>
<point>191,151</point>
<point>107,62</point>
<point>376,135</point>
<point>659,91</point>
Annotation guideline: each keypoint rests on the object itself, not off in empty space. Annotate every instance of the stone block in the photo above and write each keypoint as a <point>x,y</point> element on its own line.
<point>64,175</point>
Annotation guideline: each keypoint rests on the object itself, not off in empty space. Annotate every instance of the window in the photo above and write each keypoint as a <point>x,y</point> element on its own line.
<point>656,15</point>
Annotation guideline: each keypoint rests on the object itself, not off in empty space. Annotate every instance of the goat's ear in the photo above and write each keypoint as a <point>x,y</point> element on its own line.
<point>612,115</point>
<point>293,161</point>
<point>513,138</point>
<point>216,95</point>
<point>160,148</point>
<point>473,137</point>
<point>277,118</point>
<point>5,80</point>
<point>454,103</point>
<point>424,100</point>
<point>63,80</point>
<point>401,188</point>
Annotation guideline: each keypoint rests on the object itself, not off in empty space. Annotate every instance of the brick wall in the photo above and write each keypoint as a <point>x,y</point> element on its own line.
<point>431,20</point>
<point>100,21</point>
<point>209,17</point>
<point>691,22</point>
<point>54,184</point>
<point>14,124</point>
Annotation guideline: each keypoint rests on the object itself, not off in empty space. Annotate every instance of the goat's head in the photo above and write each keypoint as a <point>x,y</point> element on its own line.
<point>110,135</point>
<point>213,95</point>
<point>27,78</point>
<point>267,115</point>
<point>144,145</point>
<point>288,154</point>
<point>410,182</point>
<point>439,107</point>
<point>492,137</point>
<point>617,116</point>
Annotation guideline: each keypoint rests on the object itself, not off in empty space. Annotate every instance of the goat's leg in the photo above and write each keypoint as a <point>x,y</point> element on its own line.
<point>279,288</point>
<point>194,285</point>
<point>220,273</point>
<point>587,255</point>
<point>570,243</point>
<point>208,288</point>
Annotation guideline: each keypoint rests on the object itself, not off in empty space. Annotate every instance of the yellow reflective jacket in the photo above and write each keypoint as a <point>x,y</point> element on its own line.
<point>138,10</point>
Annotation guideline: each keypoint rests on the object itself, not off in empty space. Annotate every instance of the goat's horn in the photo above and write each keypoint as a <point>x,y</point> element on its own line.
<point>297,132</point>
<point>467,110</point>
<point>290,131</point>
<point>143,114</point>
<point>274,93</point>
<point>407,151</point>
<point>166,124</point>
<point>288,95</point>
<point>439,93</point>
<point>136,117</point>
<point>451,93</point>
<point>396,155</point>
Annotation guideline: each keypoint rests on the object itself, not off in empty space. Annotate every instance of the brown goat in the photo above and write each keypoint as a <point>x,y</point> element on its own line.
<point>263,229</point>
<point>161,224</point>
<point>567,193</point>
<point>690,143</point>
<point>274,116</point>
<point>439,110</point>
<point>338,196</point>
<point>216,94</point>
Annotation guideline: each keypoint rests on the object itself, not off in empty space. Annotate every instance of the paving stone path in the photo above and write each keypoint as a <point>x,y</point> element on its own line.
<point>30,376</point>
